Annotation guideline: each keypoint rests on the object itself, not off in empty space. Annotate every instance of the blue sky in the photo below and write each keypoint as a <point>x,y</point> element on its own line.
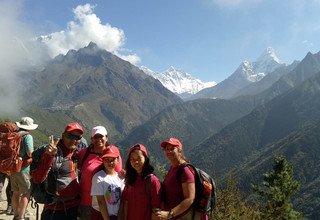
<point>206,38</point>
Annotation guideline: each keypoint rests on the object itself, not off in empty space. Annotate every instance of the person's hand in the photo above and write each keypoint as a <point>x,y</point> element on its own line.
<point>161,215</point>
<point>122,174</point>
<point>52,147</point>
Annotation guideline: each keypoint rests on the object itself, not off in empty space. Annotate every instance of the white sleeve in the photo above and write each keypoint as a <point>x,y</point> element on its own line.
<point>97,185</point>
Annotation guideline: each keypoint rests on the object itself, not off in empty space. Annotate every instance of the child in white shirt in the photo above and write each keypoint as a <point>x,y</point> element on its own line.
<point>106,188</point>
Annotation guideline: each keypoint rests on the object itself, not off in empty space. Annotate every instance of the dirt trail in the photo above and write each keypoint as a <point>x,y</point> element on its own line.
<point>3,207</point>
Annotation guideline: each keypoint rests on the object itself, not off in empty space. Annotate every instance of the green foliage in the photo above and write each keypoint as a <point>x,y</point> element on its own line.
<point>277,189</point>
<point>231,204</point>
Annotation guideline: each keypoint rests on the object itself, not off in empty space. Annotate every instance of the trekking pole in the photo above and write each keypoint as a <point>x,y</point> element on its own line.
<point>37,212</point>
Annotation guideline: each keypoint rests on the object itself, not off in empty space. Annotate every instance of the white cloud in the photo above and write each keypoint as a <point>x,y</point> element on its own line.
<point>306,42</point>
<point>16,52</point>
<point>85,28</point>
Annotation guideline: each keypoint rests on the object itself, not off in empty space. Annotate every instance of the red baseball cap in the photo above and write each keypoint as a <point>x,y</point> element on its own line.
<point>111,151</point>
<point>139,147</point>
<point>74,126</point>
<point>172,141</point>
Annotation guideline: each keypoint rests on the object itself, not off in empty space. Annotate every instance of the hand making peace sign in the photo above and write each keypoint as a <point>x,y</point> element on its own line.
<point>52,147</point>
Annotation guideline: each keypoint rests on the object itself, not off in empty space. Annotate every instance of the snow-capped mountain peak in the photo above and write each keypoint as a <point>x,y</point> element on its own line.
<point>178,81</point>
<point>267,62</point>
<point>268,55</point>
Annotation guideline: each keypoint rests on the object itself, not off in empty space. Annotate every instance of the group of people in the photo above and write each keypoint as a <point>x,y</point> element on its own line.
<point>91,184</point>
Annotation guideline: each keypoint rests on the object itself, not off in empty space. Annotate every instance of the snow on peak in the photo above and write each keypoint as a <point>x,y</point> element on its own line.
<point>255,71</point>
<point>249,73</point>
<point>178,81</point>
<point>268,55</point>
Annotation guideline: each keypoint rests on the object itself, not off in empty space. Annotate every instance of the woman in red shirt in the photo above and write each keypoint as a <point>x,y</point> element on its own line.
<point>89,164</point>
<point>141,194</point>
<point>178,196</point>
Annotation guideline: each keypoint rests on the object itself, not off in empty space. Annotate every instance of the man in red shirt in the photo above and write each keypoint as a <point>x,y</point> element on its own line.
<point>58,163</point>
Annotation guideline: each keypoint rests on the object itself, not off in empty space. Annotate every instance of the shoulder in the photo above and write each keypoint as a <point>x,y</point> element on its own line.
<point>186,173</point>
<point>99,176</point>
<point>83,151</point>
<point>187,168</point>
<point>28,137</point>
<point>155,181</point>
<point>154,178</point>
<point>100,173</point>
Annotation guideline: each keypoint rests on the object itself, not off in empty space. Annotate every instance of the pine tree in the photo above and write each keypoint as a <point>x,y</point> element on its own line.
<point>232,205</point>
<point>278,188</point>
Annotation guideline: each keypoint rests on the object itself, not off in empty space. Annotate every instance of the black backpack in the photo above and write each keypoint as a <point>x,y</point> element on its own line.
<point>206,192</point>
<point>44,192</point>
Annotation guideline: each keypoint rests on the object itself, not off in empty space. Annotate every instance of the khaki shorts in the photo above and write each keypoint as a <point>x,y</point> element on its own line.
<point>20,182</point>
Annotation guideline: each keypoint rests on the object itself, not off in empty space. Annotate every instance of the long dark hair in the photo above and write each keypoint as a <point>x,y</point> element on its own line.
<point>131,173</point>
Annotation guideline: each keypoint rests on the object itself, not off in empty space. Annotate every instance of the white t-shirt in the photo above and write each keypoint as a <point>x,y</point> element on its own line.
<point>111,187</point>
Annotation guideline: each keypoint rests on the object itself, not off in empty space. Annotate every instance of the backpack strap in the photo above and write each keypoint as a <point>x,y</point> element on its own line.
<point>22,135</point>
<point>180,169</point>
<point>87,153</point>
<point>179,174</point>
<point>147,185</point>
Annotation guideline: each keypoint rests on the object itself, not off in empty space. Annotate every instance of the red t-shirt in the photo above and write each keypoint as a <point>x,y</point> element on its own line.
<point>173,189</point>
<point>137,198</point>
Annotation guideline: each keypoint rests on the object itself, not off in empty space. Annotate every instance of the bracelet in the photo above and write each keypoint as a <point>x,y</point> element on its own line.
<point>170,214</point>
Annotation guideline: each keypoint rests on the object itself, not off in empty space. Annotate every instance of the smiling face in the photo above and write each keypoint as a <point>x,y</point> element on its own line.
<point>71,139</point>
<point>172,152</point>
<point>110,163</point>
<point>137,160</point>
<point>99,141</point>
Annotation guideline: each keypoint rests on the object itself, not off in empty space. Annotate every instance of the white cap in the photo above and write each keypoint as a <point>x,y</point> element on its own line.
<point>99,130</point>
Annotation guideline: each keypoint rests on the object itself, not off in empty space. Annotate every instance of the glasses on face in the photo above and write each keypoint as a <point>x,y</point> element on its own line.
<point>73,136</point>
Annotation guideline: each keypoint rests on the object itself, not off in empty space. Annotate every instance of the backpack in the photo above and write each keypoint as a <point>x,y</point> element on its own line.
<point>44,192</point>
<point>206,195</point>
<point>10,141</point>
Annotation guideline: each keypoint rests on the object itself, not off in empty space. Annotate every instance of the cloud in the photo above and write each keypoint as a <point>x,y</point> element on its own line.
<point>306,42</point>
<point>17,52</point>
<point>87,27</point>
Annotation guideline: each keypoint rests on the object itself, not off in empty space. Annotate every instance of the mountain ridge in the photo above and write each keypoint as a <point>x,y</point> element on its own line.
<point>96,87</point>
<point>246,74</point>
<point>178,81</point>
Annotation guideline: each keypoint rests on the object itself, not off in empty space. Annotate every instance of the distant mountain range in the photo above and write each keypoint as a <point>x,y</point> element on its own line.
<point>267,108</point>
<point>248,73</point>
<point>178,81</point>
<point>248,78</point>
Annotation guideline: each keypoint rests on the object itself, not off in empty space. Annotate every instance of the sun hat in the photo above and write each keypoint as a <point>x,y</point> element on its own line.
<point>27,123</point>
<point>172,141</point>
<point>138,147</point>
<point>99,130</point>
<point>111,151</point>
<point>74,126</point>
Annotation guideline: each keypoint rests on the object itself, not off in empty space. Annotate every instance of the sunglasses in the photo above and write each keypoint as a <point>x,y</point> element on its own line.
<point>73,137</point>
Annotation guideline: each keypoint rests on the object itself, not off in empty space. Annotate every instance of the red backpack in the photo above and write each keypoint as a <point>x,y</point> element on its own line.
<point>10,140</point>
